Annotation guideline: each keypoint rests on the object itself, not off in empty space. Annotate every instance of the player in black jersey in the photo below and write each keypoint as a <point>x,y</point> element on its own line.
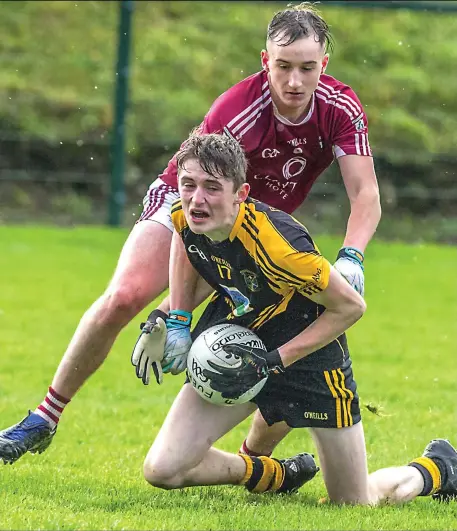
<point>268,275</point>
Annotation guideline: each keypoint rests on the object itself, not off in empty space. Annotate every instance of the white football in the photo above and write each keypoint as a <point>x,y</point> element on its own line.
<point>208,346</point>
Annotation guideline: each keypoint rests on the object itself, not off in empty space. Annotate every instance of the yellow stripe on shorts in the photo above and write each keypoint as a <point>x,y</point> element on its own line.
<point>343,397</point>
<point>351,397</point>
<point>328,379</point>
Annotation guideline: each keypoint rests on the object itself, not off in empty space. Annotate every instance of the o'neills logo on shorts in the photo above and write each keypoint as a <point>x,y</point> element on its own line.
<point>315,415</point>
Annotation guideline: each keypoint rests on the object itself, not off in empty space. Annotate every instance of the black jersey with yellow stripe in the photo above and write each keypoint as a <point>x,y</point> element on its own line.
<point>268,264</point>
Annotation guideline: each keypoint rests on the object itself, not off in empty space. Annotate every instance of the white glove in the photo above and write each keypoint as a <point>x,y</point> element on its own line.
<point>349,264</point>
<point>178,342</point>
<point>149,348</point>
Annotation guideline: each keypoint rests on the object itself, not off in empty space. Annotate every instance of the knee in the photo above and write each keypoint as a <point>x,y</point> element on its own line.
<point>121,303</point>
<point>161,475</point>
<point>400,492</point>
<point>395,485</point>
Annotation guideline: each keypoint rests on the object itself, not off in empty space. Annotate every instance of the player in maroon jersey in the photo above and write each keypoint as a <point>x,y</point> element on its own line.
<point>287,152</point>
<point>292,120</point>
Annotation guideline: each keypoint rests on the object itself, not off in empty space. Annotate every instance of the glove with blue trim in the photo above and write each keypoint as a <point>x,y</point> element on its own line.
<point>349,263</point>
<point>178,342</point>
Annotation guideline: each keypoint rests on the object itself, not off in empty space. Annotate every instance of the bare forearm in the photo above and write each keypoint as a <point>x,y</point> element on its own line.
<point>183,277</point>
<point>363,220</point>
<point>202,291</point>
<point>330,325</point>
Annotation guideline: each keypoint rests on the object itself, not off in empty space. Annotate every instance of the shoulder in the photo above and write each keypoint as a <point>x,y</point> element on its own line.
<point>285,251</point>
<point>278,230</point>
<point>177,216</point>
<point>233,108</point>
<point>338,97</point>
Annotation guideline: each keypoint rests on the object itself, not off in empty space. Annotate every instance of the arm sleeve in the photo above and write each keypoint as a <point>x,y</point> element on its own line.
<point>309,271</point>
<point>318,270</point>
<point>177,216</point>
<point>350,128</point>
<point>290,256</point>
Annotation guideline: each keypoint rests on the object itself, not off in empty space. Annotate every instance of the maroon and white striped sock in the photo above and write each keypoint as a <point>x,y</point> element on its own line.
<point>51,408</point>
<point>247,451</point>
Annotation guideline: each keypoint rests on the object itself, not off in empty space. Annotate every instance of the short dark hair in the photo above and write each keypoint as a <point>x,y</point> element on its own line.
<point>218,155</point>
<point>298,21</point>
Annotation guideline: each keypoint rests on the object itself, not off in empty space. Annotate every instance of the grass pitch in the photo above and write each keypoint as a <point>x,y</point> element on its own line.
<point>90,478</point>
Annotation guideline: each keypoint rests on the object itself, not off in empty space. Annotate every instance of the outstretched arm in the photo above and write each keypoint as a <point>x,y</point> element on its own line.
<point>362,188</point>
<point>363,193</point>
<point>183,285</point>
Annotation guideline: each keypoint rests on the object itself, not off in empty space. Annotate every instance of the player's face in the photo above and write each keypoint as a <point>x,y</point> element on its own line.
<point>210,205</point>
<point>294,71</point>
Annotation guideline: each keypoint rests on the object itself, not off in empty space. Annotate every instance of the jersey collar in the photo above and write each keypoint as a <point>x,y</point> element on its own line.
<point>284,120</point>
<point>239,220</point>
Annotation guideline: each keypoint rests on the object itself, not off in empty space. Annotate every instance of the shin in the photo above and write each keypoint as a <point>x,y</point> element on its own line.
<point>343,461</point>
<point>263,439</point>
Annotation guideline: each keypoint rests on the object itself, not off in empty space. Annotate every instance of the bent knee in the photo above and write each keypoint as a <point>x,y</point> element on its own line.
<point>121,303</point>
<point>161,475</point>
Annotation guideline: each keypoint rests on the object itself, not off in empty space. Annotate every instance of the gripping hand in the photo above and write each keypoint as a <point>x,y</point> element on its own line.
<point>178,341</point>
<point>256,365</point>
<point>149,347</point>
<point>349,263</point>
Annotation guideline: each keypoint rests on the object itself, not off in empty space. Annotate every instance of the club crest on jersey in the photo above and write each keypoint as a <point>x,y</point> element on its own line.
<point>359,123</point>
<point>251,280</point>
<point>293,167</point>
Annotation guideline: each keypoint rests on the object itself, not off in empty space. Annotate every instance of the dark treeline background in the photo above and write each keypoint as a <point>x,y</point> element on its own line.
<point>57,84</point>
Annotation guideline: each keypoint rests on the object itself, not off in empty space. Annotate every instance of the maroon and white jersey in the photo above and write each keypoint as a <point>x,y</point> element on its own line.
<point>286,158</point>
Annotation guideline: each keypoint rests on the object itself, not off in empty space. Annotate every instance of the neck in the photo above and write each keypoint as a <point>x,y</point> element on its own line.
<point>292,114</point>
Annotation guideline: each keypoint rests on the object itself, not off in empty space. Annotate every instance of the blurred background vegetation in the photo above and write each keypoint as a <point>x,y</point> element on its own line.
<point>56,98</point>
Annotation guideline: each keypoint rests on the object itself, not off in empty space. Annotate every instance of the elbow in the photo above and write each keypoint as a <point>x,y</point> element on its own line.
<point>358,308</point>
<point>373,198</point>
<point>370,198</point>
<point>355,308</point>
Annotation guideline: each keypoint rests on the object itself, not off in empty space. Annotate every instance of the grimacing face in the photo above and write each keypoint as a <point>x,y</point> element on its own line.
<point>294,71</point>
<point>210,204</point>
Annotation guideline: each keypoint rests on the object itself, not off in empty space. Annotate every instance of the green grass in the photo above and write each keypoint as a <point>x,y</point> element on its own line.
<point>90,478</point>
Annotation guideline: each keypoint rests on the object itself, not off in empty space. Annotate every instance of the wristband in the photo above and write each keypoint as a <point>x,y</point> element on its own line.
<point>179,319</point>
<point>352,253</point>
<point>274,362</point>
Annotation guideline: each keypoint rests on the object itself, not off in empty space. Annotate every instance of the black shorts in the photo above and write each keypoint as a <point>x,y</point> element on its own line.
<point>318,391</point>
<point>315,399</point>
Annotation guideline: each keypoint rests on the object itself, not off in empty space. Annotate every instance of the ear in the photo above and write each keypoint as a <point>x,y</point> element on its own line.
<point>242,193</point>
<point>264,59</point>
<point>325,62</point>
